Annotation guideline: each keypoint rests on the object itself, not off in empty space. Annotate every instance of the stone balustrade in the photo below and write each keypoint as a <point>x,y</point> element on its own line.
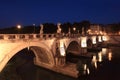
<point>34,36</point>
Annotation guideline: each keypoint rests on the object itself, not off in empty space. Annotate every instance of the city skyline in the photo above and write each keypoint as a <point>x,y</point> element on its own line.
<point>50,11</point>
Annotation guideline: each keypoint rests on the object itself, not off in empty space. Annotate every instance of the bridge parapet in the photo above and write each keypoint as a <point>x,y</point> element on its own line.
<point>35,36</point>
<point>25,36</point>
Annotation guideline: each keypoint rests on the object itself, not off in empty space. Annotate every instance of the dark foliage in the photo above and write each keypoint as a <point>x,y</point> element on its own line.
<point>52,28</point>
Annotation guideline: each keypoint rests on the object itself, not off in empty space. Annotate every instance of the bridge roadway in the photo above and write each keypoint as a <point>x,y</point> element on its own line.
<point>49,49</point>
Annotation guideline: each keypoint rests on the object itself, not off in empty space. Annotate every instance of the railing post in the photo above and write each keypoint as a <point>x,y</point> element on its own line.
<point>34,36</point>
<point>5,37</point>
<point>41,35</point>
<point>26,36</point>
<point>17,36</point>
<point>47,36</point>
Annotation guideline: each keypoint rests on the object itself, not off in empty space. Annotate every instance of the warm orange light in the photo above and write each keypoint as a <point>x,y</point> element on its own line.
<point>74,29</point>
<point>94,60</point>
<point>94,39</point>
<point>100,57</point>
<point>105,38</point>
<point>85,66</point>
<point>62,49</point>
<point>19,26</point>
<point>104,51</point>
<point>83,42</point>
<point>110,56</point>
<point>99,38</point>
<point>96,32</point>
<point>89,31</point>
<point>88,70</point>
<point>101,32</point>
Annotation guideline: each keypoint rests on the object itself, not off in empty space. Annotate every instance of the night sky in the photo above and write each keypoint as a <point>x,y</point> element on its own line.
<point>28,12</point>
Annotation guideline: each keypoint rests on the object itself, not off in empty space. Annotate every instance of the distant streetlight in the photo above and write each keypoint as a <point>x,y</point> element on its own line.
<point>89,31</point>
<point>18,27</point>
<point>74,29</point>
<point>34,28</point>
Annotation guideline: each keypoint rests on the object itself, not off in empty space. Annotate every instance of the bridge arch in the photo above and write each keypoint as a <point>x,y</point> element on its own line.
<point>40,51</point>
<point>89,43</point>
<point>74,48</point>
<point>43,55</point>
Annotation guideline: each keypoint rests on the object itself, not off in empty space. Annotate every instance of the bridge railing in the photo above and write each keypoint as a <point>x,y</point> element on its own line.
<point>37,36</point>
<point>25,36</point>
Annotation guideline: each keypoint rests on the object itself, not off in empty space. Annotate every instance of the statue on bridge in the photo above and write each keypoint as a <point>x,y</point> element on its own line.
<point>41,29</point>
<point>69,31</point>
<point>59,28</point>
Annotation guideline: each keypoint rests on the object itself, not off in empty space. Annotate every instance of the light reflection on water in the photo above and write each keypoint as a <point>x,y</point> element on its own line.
<point>100,56</point>
<point>104,51</point>
<point>104,54</point>
<point>110,56</point>
<point>94,61</point>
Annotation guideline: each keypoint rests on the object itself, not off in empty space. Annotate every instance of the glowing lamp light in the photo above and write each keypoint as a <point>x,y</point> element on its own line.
<point>94,60</point>
<point>100,57</point>
<point>61,43</point>
<point>83,42</point>
<point>85,66</point>
<point>74,29</point>
<point>104,51</point>
<point>62,49</point>
<point>89,31</point>
<point>19,26</point>
<point>99,38</point>
<point>88,70</point>
<point>96,32</point>
<point>94,39</point>
<point>95,64</point>
<point>110,56</point>
<point>101,32</point>
<point>105,38</point>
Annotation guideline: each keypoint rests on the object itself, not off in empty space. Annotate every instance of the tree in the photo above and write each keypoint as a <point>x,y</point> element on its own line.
<point>49,28</point>
<point>65,27</point>
<point>85,24</point>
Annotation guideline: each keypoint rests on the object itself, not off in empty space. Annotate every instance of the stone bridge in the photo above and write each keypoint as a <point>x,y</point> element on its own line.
<point>49,49</point>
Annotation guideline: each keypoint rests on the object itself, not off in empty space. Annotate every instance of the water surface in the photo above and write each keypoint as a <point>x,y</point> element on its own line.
<point>21,67</point>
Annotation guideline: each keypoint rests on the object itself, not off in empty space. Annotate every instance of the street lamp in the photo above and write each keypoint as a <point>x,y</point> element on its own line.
<point>74,29</point>
<point>34,28</point>
<point>18,27</point>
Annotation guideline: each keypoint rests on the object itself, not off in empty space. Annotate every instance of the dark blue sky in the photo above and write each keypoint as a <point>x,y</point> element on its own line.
<point>28,12</point>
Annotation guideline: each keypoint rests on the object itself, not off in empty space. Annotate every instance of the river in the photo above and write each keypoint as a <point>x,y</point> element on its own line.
<point>104,65</point>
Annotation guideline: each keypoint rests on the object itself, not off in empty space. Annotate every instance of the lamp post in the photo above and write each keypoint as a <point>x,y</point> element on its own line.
<point>59,28</point>
<point>34,28</point>
<point>18,27</point>
<point>74,29</point>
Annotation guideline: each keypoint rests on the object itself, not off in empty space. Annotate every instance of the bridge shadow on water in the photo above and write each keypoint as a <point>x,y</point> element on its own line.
<point>21,67</point>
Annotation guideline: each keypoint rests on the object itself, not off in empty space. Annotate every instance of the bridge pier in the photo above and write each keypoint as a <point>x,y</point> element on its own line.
<point>60,61</point>
<point>83,51</point>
